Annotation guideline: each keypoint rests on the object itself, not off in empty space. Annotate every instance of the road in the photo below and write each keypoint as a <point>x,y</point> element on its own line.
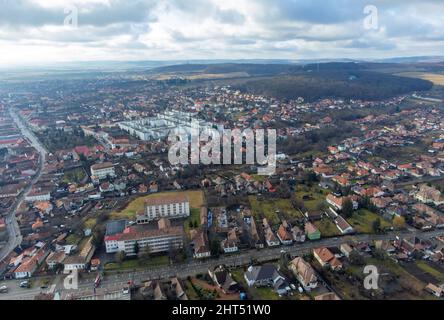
<point>15,238</point>
<point>119,280</point>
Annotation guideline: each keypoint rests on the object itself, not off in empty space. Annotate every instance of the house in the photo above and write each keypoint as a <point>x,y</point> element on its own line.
<point>199,242</point>
<point>178,289</point>
<point>343,226</point>
<point>284,234</point>
<point>428,194</point>
<point>222,278</point>
<point>304,273</point>
<point>338,202</point>
<point>435,290</point>
<point>346,249</point>
<point>312,232</point>
<point>298,234</point>
<point>326,258</point>
<point>270,237</point>
<point>74,263</point>
<point>230,244</point>
<point>55,259</point>
<point>266,276</point>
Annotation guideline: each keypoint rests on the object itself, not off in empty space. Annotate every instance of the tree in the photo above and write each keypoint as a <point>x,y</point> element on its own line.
<point>376,225</point>
<point>347,208</point>
<point>399,222</point>
<point>98,236</point>
<point>215,247</point>
<point>356,259</point>
<point>144,254</point>
<point>120,257</point>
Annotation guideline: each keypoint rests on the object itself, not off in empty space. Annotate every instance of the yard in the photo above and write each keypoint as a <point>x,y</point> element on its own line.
<point>362,221</point>
<point>313,197</point>
<point>427,267</point>
<point>194,218</point>
<point>327,228</point>
<point>136,264</point>
<point>274,210</point>
<point>196,198</point>
<point>76,175</point>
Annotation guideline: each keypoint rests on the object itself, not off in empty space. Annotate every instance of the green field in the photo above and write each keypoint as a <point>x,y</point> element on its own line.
<point>327,228</point>
<point>196,198</point>
<point>316,197</point>
<point>362,221</point>
<point>274,210</point>
<point>135,264</point>
<point>424,266</point>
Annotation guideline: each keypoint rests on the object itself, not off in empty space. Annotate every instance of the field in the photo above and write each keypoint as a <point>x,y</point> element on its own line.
<point>195,197</point>
<point>327,228</point>
<point>362,221</point>
<point>273,210</point>
<point>426,267</point>
<point>436,78</point>
<point>312,197</point>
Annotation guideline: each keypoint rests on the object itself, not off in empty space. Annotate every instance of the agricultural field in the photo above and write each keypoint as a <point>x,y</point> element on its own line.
<point>436,78</point>
<point>196,198</point>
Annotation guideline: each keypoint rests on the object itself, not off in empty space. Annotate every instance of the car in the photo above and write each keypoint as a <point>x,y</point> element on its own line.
<point>45,286</point>
<point>126,291</point>
<point>4,289</point>
<point>292,286</point>
<point>24,284</point>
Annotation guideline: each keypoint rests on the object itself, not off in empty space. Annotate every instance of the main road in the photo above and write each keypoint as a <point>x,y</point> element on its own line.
<point>14,236</point>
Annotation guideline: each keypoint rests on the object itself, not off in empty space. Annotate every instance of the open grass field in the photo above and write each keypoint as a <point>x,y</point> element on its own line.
<point>136,264</point>
<point>362,221</point>
<point>196,198</point>
<point>327,228</point>
<point>274,210</point>
<point>436,78</point>
<point>312,197</point>
<point>426,267</point>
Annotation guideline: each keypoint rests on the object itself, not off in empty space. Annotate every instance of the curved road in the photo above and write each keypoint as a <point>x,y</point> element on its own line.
<point>13,229</point>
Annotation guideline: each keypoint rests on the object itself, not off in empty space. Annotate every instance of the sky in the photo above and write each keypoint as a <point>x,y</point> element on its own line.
<point>55,31</point>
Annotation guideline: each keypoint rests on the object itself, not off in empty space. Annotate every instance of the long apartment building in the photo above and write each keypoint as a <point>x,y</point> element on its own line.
<point>170,206</point>
<point>159,127</point>
<point>120,237</point>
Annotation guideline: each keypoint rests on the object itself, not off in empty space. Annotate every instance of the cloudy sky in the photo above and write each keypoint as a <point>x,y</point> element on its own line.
<point>45,31</point>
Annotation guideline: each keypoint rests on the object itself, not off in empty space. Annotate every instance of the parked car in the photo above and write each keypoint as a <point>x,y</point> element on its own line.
<point>3,289</point>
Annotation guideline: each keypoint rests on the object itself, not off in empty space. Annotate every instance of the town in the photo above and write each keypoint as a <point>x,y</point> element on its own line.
<point>86,189</point>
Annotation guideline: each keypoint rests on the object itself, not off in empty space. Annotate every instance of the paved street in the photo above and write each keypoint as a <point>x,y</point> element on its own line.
<point>116,280</point>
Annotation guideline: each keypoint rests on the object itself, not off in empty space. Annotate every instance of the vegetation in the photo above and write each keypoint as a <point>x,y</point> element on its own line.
<point>364,221</point>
